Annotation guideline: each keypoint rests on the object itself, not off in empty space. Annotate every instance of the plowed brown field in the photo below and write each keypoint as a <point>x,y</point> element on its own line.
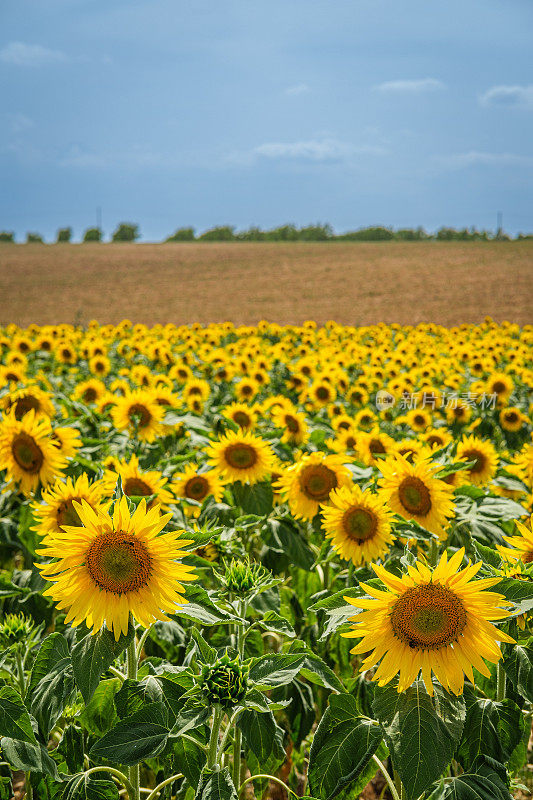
<point>352,283</point>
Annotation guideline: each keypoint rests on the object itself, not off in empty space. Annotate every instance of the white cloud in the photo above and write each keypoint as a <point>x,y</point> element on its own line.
<point>410,86</point>
<point>18,123</point>
<point>508,96</point>
<point>315,150</point>
<point>298,88</point>
<point>475,157</point>
<point>30,55</point>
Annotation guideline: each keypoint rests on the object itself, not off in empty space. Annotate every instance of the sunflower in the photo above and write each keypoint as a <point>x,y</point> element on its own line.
<point>428,621</point>
<point>67,440</point>
<point>436,438</point>
<point>321,393</point>
<point>500,384</point>
<point>244,416</point>
<point>511,419</point>
<point>246,389</point>
<point>419,419</point>
<point>90,391</point>
<point>57,509</point>
<point>241,457</point>
<point>138,483</point>
<point>413,492</point>
<point>292,422</point>
<point>521,546</point>
<point>27,452</point>
<point>65,353</point>
<point>100,365</point>
<point>27,399</point>
<point>195,485</point>
<point>372,446</point>
<point>358,524</point>
<point>484,456</point>
<point>309,482</point>
<point>140,413</point>
<point>115,566</point>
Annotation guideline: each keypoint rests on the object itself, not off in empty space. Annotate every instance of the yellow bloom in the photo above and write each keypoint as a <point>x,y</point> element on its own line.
<point>521,546</point>
<point>241,457</point>
<point>140,413</point>
<point>138,483</point>
<point>358,524</point>
<point>413,492</point>
<point>309,482</point>
<point>196,485</point>
<point>57,509</point>
<point>28,453</point>
<point>114,566</point>
<point>484,456</point>
<point>428,621</point>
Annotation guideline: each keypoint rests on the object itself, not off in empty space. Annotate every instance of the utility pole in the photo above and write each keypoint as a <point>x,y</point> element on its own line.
<point>499,225</point>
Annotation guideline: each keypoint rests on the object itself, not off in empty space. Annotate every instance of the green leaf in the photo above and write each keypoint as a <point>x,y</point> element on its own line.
<point>71,747</point>
<point>191,758</point>
<point>135,695</point>
<point>315,669</point>
<point>139,736</point>
<point>518,592</point>
<point>100,715</point>
<point>216,786</point>
<point>287,540</point>
<point>28,757</point>
<point>254,499</point>
<point>342,747</point>
<point>518,666</point>
<point>205,653</point>
<point>52,684</point>
<point>190,718</point>
<point>491,729</point>
<point>421,732</point>
<point>261,734</point>
<point>275,622</point>
<point>471,787</point>
<point>274,670</point>
<point>488,555</point>
<point>201,608</point>
<point>89,787</point>
<point>93,655</point>
<point>15,721</point>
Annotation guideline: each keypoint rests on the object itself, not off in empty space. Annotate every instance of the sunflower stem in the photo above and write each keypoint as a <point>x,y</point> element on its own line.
<point>132,663</point>
<point>237,738</point>
<point>433,553</point>
<point>142,640</point>
<point>218,713</point>
<point>117,774</point>
<point>388,779</point>
<point>20,673</point>
<point>349,576</point>
<point>500,683</point>
<point>398,787</point>
<point>271,778</point>
<point>154,793</point>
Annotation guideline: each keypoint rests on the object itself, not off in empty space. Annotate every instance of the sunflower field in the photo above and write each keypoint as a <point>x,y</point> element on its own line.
<point>266,562</point>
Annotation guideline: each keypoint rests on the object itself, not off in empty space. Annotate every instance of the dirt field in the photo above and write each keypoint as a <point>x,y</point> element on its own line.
<point>352,283</point>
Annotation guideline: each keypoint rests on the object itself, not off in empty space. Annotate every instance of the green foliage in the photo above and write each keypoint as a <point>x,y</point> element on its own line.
<point>7,236</point>
<point>126,232</point>
<point>64,235</point>
<point>93,235</point>
<point>182,235</point>
<point>34,238</point>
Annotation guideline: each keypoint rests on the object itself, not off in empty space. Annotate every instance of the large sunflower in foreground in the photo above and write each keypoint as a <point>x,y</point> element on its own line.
<point>309,482</point>
<point>428,621</point>
<point>114,566</point>
<point>358,524</point>
<point>27,451</point>
<point>413,492</point>
<point>241,457</point>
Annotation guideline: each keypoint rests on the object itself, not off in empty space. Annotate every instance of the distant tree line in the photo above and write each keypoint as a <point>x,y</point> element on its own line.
<point>129,232</point>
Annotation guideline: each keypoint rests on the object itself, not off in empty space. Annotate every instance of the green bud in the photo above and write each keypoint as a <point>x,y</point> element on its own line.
<point>243,577</point>
<point>224,682</point>
<point>15,629</point>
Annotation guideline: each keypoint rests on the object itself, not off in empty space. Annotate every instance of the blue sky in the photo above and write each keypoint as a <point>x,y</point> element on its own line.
<point>247,112</point>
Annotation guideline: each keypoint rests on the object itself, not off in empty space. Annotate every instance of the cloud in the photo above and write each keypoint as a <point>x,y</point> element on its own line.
<point>410,86</point>
<point>18,123</point>
<point>508,96</point>
<point>30,55</point>
<point>298,88</point>
<point>475,157</point>
<point>318,150</point>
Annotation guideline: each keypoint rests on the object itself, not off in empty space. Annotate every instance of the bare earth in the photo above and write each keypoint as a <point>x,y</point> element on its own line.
<point>352,283</point>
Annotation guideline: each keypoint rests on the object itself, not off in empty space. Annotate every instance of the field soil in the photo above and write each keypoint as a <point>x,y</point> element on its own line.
<point>447,283</point>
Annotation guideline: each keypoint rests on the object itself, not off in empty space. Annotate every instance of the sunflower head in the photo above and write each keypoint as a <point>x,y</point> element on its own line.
<point>224,683</point>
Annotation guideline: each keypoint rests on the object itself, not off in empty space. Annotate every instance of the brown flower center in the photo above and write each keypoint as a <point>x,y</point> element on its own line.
<point>119,562</point>
<point>90,394</point>
<point>27,453</point>
<point>359,524</point>
<point>67,514</point>
<point>241,456</point>
<point>291,423</point>
<point>414,496</point>
<point>322,393</point>
<point>499,387</point>
<point>478,458</point>
<point>241,418</point>
<point>136,487</point>
<point>25,404</point>
<point>428,617</point>
<point>317,481</point>
<point>139,412</point>
<point>197,488</point>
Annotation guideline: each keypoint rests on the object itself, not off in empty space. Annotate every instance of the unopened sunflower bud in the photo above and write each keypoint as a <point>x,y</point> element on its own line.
<point>224,682</point>
<point>15,629</point>
<point>242,577</point>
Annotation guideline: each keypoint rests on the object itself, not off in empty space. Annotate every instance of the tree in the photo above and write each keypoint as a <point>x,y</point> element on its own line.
<point>32,238</point>
<point>126,232</point>
<point>64,235</point>
<point>7,236</point>
<point>92,235</point>
<point>182,235</point>
<point>222,233</point>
